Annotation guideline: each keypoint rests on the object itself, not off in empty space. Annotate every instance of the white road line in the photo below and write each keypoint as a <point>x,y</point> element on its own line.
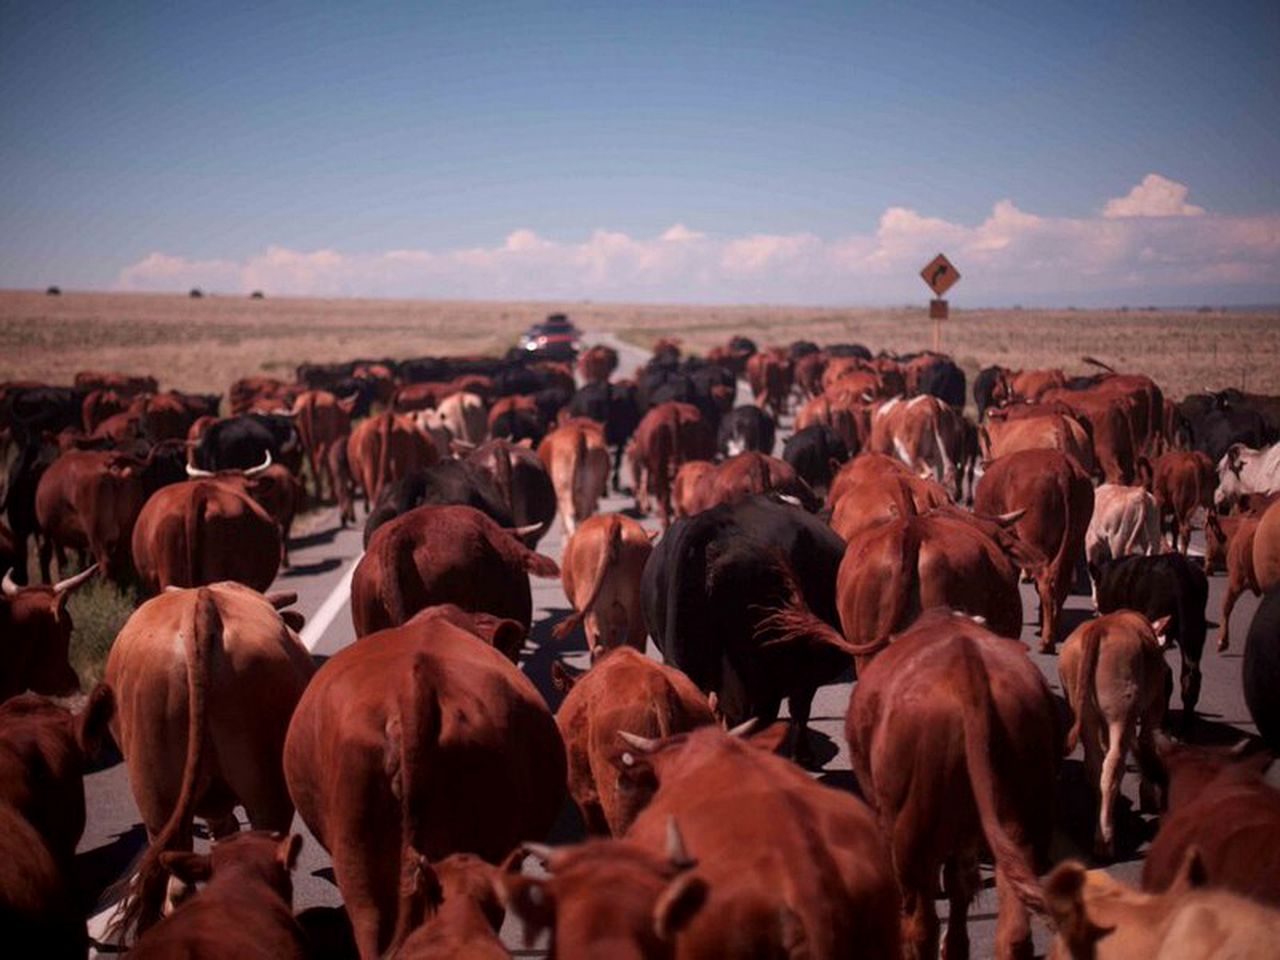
<point>332,606</point>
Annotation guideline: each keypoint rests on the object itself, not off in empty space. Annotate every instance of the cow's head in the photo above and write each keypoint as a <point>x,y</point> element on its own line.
<point>35,637</point>
<point>253,856</point>
<point>1230,484</point>
<point>607,898</point>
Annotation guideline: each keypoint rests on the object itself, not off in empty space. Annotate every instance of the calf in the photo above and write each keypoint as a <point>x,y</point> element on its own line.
<point>205,683</point>
<point>420,741</point>
<point>1165,586</point>
<point>464,912</point>
<point>1221,806</point>
<point>35,637</point>
<point>623,691</point>
<point>244,907</point>
<point>1124,522</point>
<point>1261,670</point>
<point>384,448</point>
<point>668,436</point>
<point>451,554</point>
<point>745,428</point>
<point>1231,538</point>
<point>1115,679</point>
<point>741,598</point>
<point>601,569</point>
<point>1055,498</point>
<point>953,736</point>
<point>1183,483</point>
<point>1099,918</point>
<point>577,460</point>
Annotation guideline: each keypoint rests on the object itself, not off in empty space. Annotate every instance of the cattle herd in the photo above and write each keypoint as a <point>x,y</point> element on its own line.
<point>887,541</point>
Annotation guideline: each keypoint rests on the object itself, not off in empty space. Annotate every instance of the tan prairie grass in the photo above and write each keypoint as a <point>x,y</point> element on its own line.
<point>204,344</point>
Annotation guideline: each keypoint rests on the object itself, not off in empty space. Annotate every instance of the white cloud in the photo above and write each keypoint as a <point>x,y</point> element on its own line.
<point>1157,243</point>
<point>1155,196</point>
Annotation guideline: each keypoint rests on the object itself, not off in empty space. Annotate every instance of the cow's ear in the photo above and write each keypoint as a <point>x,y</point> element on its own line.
<point>287,853</point>
<point>293,619</point>
<point>1191,873</point>
<point>91,723</point>
<point>508,638</point>
<point>677,904</point>
<point>530,899</point>
<point>563,677</point>
<point>1159,628</point>
<point>190,868</point>
<point>771,738</point>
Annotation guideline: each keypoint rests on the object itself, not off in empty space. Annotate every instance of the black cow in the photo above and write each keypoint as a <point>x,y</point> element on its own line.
<point>848,350</point>
<point>242,442</point>
<point>720,585</point>
<point>816,453</point>
<point>615,405</point>
<point>746,428</point>
<point>32,411</point>
<point>1166,585</point>
<point>34,457</point>
<point>1214,428</point>
<point>449,482</point>
<point>984,385</point>
<point>944,380</point>
<point>1261,671</point>
<point>523,484</point>
<point>519,424</point>
<point>802,348</point>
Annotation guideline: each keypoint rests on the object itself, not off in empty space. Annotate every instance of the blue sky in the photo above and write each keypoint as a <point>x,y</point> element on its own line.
<point>295,146</point>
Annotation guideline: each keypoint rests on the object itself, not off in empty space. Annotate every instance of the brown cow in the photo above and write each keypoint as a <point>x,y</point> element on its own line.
<point>770,376</point>
<point>924,433</point>
<point>816,877</point>
<point>848,418</point>
<point>1037,431</point>
<point>37,903</point>
<point>623,691</point>
<point>271,486</point>
<point>465,911</point>
<point>1184,482</point>
<point>244,907</point>
<point>101,405</point>
<point>385,448</point>
<point>524,483</point>
<point>669,435</point>
<point>35,637</point>
<point>944,558</point>
<point>205,682</point>
<point>505,636</point>
<point>808,371</point>
<point>450,554</point>
<point>742,476</point>
<point>601,569</point>
<point>1055,498</point>
<point>1026,386</point>
<point>1109,415</point>
<point>464,415</point>
<point>44,751</point>
<point>684,489</point>
<point>1099,918</point>
<point>1233,537</point>
<point>125,384</point>
<point>862,467</point>
<point>597,364</point>
<point>577,458</point>
<point>421,740</point>
<point>1114,677</point>
<point>1266,549</point>
<point>323,422</point>
<point>953,736</point>
<point>871,498</point>
<point>1221,805</point>
<point>604,899</point>
<point>202,531</point>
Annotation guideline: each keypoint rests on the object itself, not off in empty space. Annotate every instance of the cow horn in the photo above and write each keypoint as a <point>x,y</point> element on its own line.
<point>540,851</point>
<point>643,744</point>
<point>742,729</point>
<point>10,588</point>
<point>195,473</point>
<point>62,586</point>
<point>1009,519</point>
<point>676,851</point>
<point>521,532</point>
<point>265,465</point>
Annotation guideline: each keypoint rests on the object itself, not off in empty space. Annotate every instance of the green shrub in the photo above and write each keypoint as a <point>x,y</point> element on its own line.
<point>98,610</point>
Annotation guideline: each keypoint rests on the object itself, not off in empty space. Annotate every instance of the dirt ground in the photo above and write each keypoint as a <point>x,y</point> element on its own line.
<point>205,344</point>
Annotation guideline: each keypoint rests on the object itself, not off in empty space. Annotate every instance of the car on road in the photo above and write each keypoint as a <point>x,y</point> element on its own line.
<point>556,338</point>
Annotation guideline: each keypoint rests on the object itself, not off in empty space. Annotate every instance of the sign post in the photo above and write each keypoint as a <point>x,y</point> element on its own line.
<point>940,275</point>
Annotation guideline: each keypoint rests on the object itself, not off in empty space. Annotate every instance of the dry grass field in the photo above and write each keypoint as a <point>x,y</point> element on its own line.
<point>204,344</point>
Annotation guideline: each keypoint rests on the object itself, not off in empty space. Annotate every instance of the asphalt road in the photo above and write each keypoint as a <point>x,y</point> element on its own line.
<point>322,567</point>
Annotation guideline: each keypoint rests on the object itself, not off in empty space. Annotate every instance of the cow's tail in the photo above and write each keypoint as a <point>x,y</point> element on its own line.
<point>385,424</point>
<point>976,710</point>
<point>410,735</point>
<point>900,588</point>
<point>1083,692</point>
<point>609,558</point>
<point>578,471</point>
<point>790,621</point>
<point>1094,362</point>
<point>201,632</point>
